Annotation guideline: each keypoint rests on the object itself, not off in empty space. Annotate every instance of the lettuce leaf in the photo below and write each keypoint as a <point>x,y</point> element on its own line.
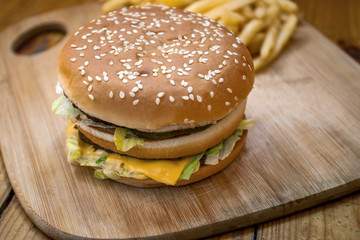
<point>101,159</point>
<point>64,107</point>
<point>73,149</point>
<point>99,174</point>
<point>246,124</point>
<point>212,154</point>
<point>192,167</point>
<point>125,140</point>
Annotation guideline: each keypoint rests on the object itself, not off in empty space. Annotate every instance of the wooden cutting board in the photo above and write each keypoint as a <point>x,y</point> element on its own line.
<point>304,149</point>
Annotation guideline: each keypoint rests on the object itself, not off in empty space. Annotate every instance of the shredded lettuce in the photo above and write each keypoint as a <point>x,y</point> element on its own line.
<point>64,107</point>
<point>212,155</point>
<point>101,159</point>
<point>73,148</point>
<point>124,139</point>
<point>246,124</point>
<point>99,174</point>
<point>193,166</point>
<point>229,143</point>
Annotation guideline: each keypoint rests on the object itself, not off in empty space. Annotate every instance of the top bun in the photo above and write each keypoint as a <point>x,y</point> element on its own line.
<point>153,67</point>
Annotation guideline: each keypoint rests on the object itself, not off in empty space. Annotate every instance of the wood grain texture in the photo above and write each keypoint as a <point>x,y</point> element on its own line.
<point>5,187</point>
<point>338,20</point>
<point>14,224</point>
<point>242,234</point>
<point>16,10</point>
<point>304,149</point>
<point>333,221</point>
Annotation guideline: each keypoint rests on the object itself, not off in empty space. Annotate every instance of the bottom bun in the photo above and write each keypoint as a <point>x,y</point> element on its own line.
<point>203,172</point>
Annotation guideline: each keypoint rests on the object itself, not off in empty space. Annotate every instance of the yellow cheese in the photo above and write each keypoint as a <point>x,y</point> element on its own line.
<point>164,171</point>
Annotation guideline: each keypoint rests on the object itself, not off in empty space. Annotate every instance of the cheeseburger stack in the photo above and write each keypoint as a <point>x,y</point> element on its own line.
<point>155,95</point>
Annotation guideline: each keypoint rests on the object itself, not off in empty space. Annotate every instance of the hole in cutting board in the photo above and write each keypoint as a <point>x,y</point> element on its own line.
<point>38,39</point>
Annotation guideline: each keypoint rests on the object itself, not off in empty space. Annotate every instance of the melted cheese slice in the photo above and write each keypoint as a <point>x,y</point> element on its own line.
<point>164,171</point>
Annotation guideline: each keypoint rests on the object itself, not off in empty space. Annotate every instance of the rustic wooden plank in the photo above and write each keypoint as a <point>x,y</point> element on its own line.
<point>338,21</point>
<point>333,221</point>
<point>16,10</point>
<point>304,149</point>
<point>14,224</point>
<point>243,234</point>
<point>5,187</point>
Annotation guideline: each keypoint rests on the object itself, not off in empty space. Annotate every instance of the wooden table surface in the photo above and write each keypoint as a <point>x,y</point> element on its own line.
<point>340,219</point>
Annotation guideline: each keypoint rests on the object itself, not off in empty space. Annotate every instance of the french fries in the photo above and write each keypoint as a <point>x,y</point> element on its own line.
<point>264,25</point>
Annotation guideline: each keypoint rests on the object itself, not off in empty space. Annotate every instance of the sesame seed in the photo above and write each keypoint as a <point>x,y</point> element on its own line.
<point>111,94</point>
<point>191,96</point>
<point>97,57</point>
<point>172,82</point>
<point>82,72</point>
<point>160,94</point>
<point>249,67</point>
<point>111,62</point>
<point>190,89</point>
<point>73,59</point>
<point>185,97</point>
<point>234,45</point>
<point>85,82</point>
<point>86,63</point>
<point>229,90</point>
<point>203,60</point>
<point>227,104</point>
<point>122,94</point>
<point>157,101</point>
<point>221,80</point>
<point>132,94</point>
<point>82,54</point>
<point>90,78</point>
<point>244,77</point>
<point>212,94</point>
<point>98,78</point>
<point>198,98</point>
<point>244,64</point>
<point>214,81</point>
<point>171,98</point>
<point>135,102</point>
<point>236,61</point>
<point>135,89</point>
<point>91,97</point>
<point>90,88</point>
<point>209,108</point>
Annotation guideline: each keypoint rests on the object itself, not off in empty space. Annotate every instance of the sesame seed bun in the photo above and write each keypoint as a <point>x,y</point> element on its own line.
<point>155,68</point>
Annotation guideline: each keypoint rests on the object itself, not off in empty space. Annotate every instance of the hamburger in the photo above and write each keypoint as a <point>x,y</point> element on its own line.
<point>155,96</point>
